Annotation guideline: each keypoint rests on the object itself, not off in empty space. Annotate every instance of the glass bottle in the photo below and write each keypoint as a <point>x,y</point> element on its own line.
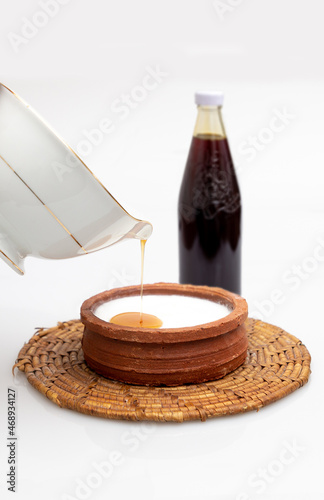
<point>209,208</point>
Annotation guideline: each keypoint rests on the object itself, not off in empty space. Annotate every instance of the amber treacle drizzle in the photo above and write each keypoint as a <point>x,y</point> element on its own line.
<point>138,319</point>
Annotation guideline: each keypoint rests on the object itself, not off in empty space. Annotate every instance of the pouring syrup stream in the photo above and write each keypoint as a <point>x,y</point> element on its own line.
<point>138,319</point>
<point>143,243</point>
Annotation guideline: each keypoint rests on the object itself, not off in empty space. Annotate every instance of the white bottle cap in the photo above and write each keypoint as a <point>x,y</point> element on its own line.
<point>209,98</point>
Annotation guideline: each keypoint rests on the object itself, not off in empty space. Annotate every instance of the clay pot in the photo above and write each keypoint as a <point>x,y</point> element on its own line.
<point>165,356</point>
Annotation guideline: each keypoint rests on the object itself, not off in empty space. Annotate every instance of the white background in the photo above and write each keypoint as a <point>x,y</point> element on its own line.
<point>267,57</point>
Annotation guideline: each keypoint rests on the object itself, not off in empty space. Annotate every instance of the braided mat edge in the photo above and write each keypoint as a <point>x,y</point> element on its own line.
<point>276,365</point>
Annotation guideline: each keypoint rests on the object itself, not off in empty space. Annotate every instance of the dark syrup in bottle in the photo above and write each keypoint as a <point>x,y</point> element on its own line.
<point>209,209</point>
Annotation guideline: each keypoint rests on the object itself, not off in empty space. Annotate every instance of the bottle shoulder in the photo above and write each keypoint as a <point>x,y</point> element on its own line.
<point>209,178</point>
<point>209,158</point>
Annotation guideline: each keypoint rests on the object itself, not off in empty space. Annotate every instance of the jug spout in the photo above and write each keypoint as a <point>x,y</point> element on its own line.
<point>110,229</point>
<point>142,230</point>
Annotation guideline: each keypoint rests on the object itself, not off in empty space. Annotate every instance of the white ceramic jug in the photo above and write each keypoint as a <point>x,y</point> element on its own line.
<point>51,204</point>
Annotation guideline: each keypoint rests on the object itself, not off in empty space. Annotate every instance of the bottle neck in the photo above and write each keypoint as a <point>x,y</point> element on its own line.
<point>209,123</point>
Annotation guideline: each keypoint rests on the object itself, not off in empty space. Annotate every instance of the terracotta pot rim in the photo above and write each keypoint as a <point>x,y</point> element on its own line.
<point>236,317</point>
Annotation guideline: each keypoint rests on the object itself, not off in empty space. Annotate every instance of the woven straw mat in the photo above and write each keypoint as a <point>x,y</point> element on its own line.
<point>276,365</point>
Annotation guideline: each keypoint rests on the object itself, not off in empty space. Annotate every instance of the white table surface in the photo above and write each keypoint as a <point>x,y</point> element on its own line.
<point>276,453</point>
